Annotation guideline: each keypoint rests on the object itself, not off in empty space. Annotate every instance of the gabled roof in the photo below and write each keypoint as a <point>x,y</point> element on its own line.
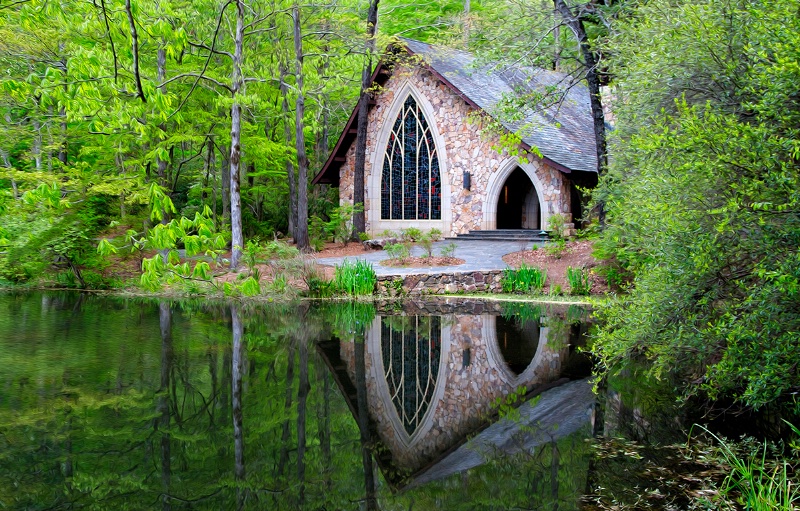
<point>563,132</point>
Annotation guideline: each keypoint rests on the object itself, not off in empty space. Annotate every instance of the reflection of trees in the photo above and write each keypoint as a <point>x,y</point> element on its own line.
<point>163,423</point>
<point>135,405</point>
<point>363,420</point>
<point>131,407</point>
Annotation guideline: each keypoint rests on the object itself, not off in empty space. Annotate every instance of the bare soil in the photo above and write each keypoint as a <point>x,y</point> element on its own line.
<point>577,254</point>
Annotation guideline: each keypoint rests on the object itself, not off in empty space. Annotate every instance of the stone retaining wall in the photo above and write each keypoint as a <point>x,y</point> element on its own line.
<point>440,283</point>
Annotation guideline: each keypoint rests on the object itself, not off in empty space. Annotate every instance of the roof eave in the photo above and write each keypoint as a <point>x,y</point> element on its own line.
<point>329,174</point>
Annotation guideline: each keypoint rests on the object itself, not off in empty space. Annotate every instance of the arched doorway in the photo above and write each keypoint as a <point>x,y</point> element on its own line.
<point>518,204</point>
<point>518,342</point>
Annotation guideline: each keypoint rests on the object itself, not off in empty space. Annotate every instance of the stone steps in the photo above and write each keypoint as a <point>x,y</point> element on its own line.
<point>504,235</point>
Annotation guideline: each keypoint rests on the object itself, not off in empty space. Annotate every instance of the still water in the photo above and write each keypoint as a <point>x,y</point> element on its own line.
<point>112,403</point>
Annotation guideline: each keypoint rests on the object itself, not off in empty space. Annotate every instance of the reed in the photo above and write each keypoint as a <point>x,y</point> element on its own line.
<point>354,278</point>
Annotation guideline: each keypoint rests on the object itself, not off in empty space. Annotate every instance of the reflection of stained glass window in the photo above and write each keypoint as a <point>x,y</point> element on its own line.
<point>410,182</point>
<point>411,350</point>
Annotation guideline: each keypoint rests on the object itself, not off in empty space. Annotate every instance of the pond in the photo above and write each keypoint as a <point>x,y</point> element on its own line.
<point>114,403</point>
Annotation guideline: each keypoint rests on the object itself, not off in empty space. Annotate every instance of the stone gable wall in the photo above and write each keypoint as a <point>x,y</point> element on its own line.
<point>462,146</point>
<point>469,393</point>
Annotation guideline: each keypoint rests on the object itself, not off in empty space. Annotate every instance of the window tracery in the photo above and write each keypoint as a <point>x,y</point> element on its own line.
<point>411,180</point>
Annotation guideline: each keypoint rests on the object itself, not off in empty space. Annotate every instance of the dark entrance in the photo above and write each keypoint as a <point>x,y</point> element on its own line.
<point>518,341</point>
<point>511,205</point>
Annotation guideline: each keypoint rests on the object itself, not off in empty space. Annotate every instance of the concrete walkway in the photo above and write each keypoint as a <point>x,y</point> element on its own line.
<point>479,255</point>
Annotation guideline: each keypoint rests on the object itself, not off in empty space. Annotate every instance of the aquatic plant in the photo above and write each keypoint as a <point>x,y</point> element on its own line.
<point>756,482</point>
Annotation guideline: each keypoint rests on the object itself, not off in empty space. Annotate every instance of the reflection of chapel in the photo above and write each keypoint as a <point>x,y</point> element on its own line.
<point>431,163</point>
<point>432,380</point>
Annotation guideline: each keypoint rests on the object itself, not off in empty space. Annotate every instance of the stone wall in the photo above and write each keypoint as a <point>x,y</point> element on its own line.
<point>467,392</point>
<point>440,283</point>
<point>462,144</point>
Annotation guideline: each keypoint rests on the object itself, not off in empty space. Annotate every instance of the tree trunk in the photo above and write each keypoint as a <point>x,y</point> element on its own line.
<point>359,219</point>
<point>287,133</point>
<point>225,184</point>
<point>237,85</point>
<point>36,148</point>
<point>363,423</point>
<point>161,164</point>
<point>302,396</point>
<point>286,434</point>
<point>575,23</point>
<point>165,322</point>
<point>301,240</point>
<point>466,22</point>
<point>62,113</point>
<point>236,400</point>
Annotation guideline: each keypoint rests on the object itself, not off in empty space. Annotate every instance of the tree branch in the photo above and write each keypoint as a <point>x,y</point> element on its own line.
<point>110,38</point>
<point>198,76</point>
<point>208,60</point>
<point>135,48</point>
<point>212,50</point>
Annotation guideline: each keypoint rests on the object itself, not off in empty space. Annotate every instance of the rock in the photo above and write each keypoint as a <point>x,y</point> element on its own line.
<point>378,243</point>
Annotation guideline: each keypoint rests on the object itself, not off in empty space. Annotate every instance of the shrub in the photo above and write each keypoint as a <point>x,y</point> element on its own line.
<point>340,226</point>
<point>363,236</point>
<point>316,233</point>
<point>399,251</point>
<point>426,241</point>
<point>555,248</point>
<point>354,278</point>
<point>448,250</point>
<point>579,282</point>
<point>280,250</point>
<point>411,234</point>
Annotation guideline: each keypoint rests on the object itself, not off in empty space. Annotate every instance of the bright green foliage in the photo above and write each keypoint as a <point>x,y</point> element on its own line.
<point>525,279</point>
<point>340,226</point>
<point>411,234</point>
<point>354,278</point>
<point>756,482</point>
<point>199,237</point>
<point>448,250</point>
<point>702,197</point>
<point>579,282</point>
<point>398,251</point>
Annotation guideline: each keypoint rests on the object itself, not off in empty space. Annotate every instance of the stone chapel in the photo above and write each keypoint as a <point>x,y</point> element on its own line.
<point>432,162</point>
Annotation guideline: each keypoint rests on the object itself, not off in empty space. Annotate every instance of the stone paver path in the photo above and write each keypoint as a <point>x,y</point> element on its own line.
<point>478,255</point>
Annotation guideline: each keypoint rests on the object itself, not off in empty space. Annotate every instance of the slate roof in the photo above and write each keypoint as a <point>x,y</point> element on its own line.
<point>562,132</point>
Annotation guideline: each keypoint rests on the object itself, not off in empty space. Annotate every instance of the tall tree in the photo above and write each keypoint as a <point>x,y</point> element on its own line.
<point>359,222</point>
<point>237,87</point>
<point>301,229</point>
<point>574,20</point>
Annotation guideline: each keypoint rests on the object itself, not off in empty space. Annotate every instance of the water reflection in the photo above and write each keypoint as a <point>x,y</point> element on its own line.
<point>433,381</point>
<point>112,403</point>
<point>518,342</point>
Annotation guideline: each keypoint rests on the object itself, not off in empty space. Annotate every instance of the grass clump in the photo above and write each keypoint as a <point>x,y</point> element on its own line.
<point>756,482</point>
<point>525,279</point>
<point>579,282</point>
<point>354,278</point>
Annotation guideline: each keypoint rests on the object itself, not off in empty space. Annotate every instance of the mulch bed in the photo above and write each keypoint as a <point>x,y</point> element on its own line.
<point>578,254</point>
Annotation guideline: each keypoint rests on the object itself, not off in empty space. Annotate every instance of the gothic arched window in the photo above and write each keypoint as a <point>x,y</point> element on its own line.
<point>411,347</point>
<point>411,187</point>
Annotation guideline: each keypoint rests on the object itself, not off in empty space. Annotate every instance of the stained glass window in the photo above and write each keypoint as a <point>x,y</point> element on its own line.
<point>411,348</point>
<point>410,182</point>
